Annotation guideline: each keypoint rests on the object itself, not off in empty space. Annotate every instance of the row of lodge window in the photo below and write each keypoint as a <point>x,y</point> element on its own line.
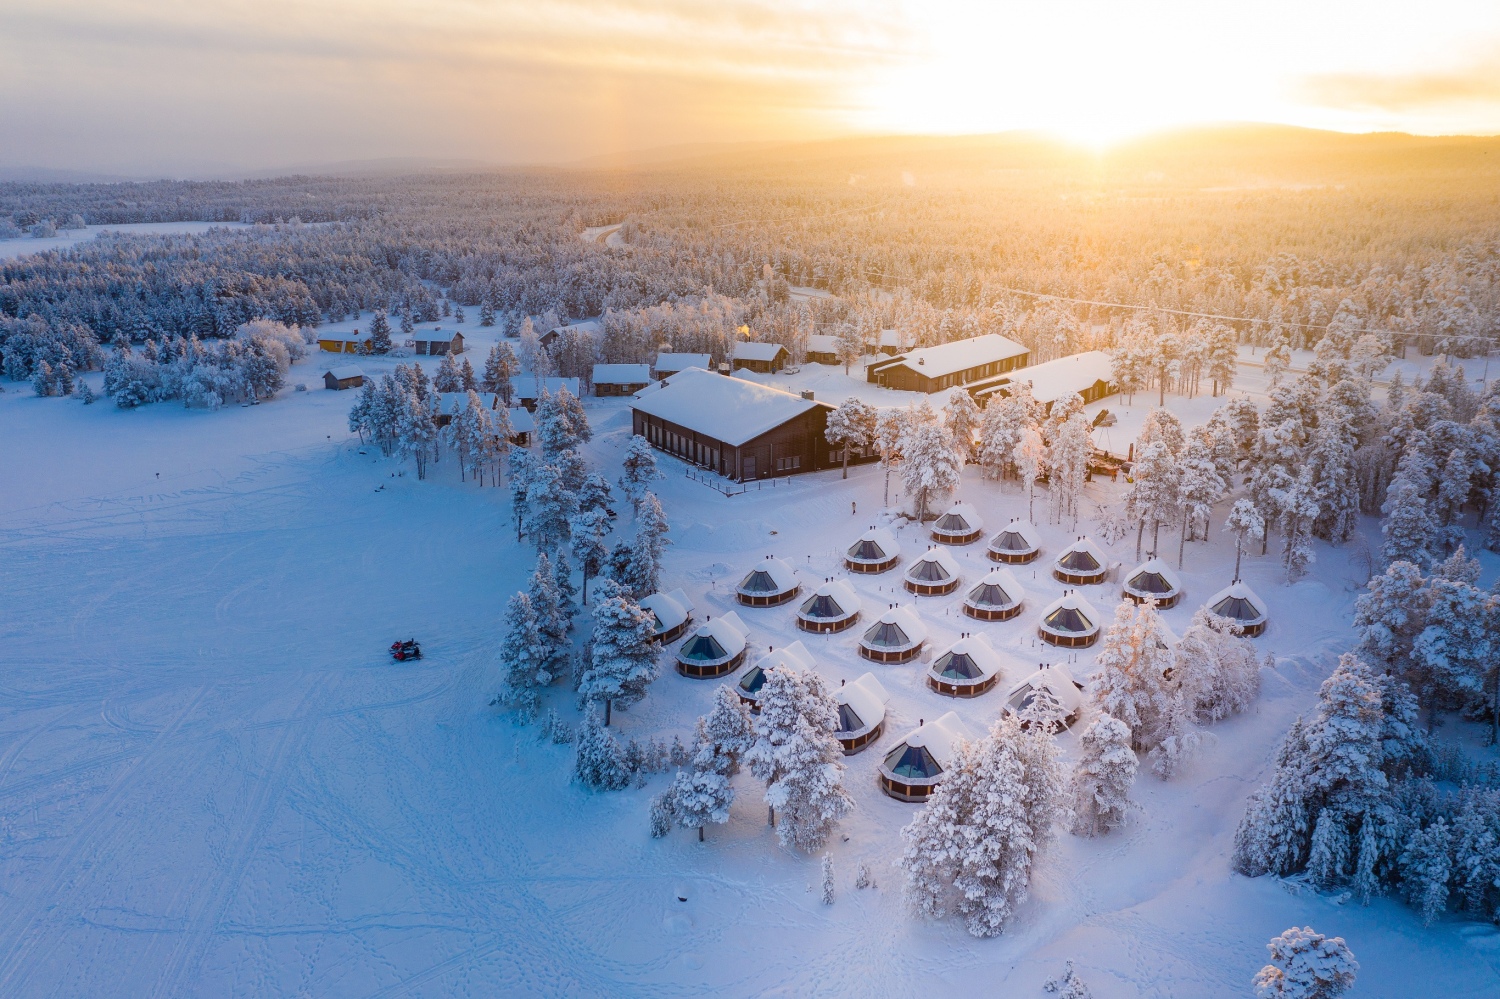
<point>789,464</point>
<point>684,447</point>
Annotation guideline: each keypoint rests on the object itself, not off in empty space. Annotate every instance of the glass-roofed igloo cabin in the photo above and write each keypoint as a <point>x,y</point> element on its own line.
<point>794,655</point>
<point>996,597</point>
<point>1153,580</point>
<point>770,583</point>
<point>1082,563</point>
<point>1070,622</point>
<point>914,769</point>
<point>934,574</point>
<point>1242,605</point>
<point>1059,683</point>
<point>876,551</point>
<point>967,668</point>
<point>832,607</point>
<point>671,613</point>
<point>715,647</point>
<point>896,638</point>
<point>961,525</point>
<point>1016,544</point>
<point>861,713</point>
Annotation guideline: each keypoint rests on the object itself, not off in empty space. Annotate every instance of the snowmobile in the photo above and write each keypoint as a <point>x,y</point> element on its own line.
<point>402,651</point>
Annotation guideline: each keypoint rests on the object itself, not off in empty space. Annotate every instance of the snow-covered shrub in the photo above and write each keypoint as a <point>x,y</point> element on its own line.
<point>1306,965</point>
<point>1098,797</point>
<point>799,758</point>
<point>598,763</point>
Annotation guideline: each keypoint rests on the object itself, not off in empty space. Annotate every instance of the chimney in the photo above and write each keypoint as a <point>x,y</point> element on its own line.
<point>723,369</point>
<point>807,394</point>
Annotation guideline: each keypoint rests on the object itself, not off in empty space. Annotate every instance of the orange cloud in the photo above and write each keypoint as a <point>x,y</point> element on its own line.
<point>1478,82</point>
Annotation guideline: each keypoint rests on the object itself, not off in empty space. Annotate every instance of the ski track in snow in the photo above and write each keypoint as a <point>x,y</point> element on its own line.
<point>213,781</point>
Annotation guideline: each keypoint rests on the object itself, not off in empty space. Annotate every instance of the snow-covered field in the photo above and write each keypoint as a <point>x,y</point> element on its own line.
<point>24,245</point>
<point>214,781</point>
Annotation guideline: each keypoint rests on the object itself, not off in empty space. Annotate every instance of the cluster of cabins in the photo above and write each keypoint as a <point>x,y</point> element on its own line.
<point>895,634</point>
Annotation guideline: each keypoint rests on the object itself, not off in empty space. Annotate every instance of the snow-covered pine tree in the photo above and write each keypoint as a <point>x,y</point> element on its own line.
<point>1162,425</point>
<point>1152,498</point>
<point>1069,460</point>
<point>500,366</point>
<point>798,757</point>
<point>963,422</point>
<point>1245,521</point>
<point>851,344</point>
<point>890,433</point>
<point>549,507</point>
<point>380,334</point>
<point>972,846</point>
<point>43,383</point>
<point>1391,614</point>
<point>1031,461</point>
<point>1426,868</point>
<point>1306,965</point>
<point>1098,795</point>
<point>1199,487</point>
<point>547,600</point>
<point>931,464</point>
<point>594,494</point>
<point>643,575</point>
<point>1216,670</point>
<point>589,529</point>
<point>1333,476</point>
<point>1296,508</point>
<point>851,426</point>
<point>1004,420</point>
<point>524,657</point>
<point>486,311</point>
<point>1069,986</point>
<point>417,433</point>
<point>1277,360</point>
<point>623,652</point>
<point>598,762</point>
<point>1131,682</point>
<point>639,470</point>
<point>703,794</point>
<point>1410,529</point>
<point>827,879</point>
<point>1451,655</point>
<point>408,325</point>
<point>448,378</point>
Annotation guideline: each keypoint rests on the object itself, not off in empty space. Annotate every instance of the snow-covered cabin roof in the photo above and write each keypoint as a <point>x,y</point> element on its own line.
<point>622,374</point>
<point>593,327</point>
<point>768,577</point>
<point>969,660</point>
<point>1082,556</point>
<point>1055,678</point>
<point>671,609</point>
<point>898,630</point>
<point>453,403</point>
<point>525,386</point>
<point>958,355</point>
<point>1051,380</point>
<point>939,738</point>
<point>822,343</point>
<point>521,421</point>
<point>961,518</point>
<point>669,361</point>
<point>1153,578</point>
<point>794,655</point>
<point>935,565</point>
<point>345,336</point>
<point>755,350</point>
<point>891,338</point>
<point>998,590</point>
<point>1070,614</point>
<point>346,371</point>
<point>715,640</point>
<point>835,600</point>
<point>731,410</point>
<point>875,545</point>
<point>1016,537</point>
<point>1239,602</point>
<point>862,701</point>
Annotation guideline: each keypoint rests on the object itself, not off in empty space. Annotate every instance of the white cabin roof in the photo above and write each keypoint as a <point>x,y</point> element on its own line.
<point>822,343</point>
<point>794,655</point>
<point>622,374</point>
<point>671,609</point>
<point>781,574</point>
<point>346,371</point>
<point>1155,565</point>
<point>941,737</point>
<point>883,538</point>
<point>1057,679</point>
<point>867,697</point>
<point>731,410</point>
<point>1240,591</point>
<point>521,421</point>
<point>1025,528</point>
<point>941,556</point>
<point>978,648</point>
<point>525,386</point>
<point>967,512</point>
<point>1006,580</point>
<point>728,630</point>
<point>676,361</point>
<point>754,350</point>
<point>957,355</point>
<point>842,593</point>
<point>1084,544</point>
<point>907,620</point>
<point>1051,380</point>
<point>1072,601</point>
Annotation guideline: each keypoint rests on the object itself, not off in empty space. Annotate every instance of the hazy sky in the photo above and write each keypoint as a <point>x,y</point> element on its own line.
<point>188,87</point>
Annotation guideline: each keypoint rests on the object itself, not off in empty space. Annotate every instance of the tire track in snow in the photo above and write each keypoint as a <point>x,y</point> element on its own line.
<point>18,934</point>
<point>182,966</point>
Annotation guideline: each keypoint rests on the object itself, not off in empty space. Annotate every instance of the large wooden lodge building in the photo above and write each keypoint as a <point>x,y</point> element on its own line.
<point>736,428</point>
<point>949,365</point>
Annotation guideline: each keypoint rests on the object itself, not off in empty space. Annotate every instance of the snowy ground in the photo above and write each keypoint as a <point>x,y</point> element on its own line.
<point>213,781</point>
<point>20,247</point>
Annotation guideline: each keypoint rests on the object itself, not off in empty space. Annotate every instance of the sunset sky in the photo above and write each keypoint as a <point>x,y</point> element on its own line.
<point>188,87</point>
